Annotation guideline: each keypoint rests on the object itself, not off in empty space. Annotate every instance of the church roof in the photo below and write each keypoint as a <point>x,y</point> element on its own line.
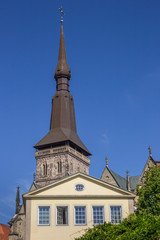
<point>121,181</point>
<point>61,135</point>
<point>4,232</point>
<point>133,182</point>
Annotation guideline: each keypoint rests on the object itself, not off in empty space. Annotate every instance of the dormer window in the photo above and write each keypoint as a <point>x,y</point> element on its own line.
<point>79,187</point>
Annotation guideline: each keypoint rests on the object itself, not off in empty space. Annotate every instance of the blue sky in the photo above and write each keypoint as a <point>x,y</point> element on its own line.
<point>113,50</point>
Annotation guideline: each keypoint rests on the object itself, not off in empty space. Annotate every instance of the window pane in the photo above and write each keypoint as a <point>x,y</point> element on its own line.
<point>44,215</point>
<point>98,216</point>
<point>80,215</point>
<point>116,215</point>
<point>62,215</point>
<point>79,187</point>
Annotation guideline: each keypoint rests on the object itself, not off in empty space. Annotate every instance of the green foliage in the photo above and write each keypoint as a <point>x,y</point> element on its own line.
<point>149,194</point>
<point>142,226</point>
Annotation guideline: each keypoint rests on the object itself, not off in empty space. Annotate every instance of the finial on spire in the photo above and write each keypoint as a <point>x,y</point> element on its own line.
<point>17,200</point>
<point>106,161</point>
<point>62,73</point>
<point>150,152</point>
<point>62,13</point>
<point>128,181</point>
<point>127,173</point>
<point>34,177</point>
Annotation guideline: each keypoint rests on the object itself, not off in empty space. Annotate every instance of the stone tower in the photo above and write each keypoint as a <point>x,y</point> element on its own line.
<point>61,152</point>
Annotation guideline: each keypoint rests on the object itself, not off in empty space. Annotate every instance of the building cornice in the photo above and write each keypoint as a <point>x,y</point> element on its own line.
<point>62,150</point>
<point>29,197</point>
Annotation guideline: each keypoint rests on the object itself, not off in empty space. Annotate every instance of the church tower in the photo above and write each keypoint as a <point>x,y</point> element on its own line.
<point>61,152</point>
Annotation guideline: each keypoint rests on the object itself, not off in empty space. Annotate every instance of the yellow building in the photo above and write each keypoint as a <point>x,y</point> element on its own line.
<point>65,208</point>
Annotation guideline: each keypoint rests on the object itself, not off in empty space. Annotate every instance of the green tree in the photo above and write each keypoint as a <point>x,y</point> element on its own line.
<point>142,227</point>
<point>149,193</point>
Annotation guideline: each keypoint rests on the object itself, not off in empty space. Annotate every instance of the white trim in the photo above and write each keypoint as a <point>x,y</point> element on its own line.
<point>81,196</point>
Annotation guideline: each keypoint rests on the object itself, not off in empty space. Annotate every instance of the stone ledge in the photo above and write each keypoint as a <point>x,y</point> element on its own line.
<point>64,149</point>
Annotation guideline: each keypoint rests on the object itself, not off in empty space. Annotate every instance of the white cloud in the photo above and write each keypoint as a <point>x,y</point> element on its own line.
<point>9,201</point>
<point>24,185</point>
<point>4,215</point>
<point>105,138</point>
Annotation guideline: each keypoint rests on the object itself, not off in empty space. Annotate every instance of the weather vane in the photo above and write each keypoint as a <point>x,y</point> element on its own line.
<point>62,13</point>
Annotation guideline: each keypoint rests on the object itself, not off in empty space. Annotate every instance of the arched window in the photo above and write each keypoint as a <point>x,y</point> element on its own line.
<point>45,169</point>
<point>59,167</point>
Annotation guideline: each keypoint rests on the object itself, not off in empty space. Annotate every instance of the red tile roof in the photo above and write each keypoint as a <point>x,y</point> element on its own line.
<point>4,232</point>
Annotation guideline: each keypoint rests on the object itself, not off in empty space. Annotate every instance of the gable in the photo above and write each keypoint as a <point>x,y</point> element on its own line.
<point>107,177</point>
<point>92,187</point>
<point>150,162</point>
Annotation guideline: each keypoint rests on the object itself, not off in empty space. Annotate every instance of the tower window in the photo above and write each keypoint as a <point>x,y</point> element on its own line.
<point>45,169</point>
<point>59,167</point>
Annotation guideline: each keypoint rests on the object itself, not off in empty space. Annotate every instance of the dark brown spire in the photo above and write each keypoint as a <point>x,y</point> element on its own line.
<point>17,200</point>
<point>63,124</point>
<point>62,73</point>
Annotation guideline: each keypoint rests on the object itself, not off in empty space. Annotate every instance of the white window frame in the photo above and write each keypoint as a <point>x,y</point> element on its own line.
<point>63,206</point>
<point>111,214</point>
<point>48,206</point>
<point>93,215</point>
<point>80,224</point>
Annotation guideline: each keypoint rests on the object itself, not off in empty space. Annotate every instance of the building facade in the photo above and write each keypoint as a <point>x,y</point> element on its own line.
<point>67,207</point>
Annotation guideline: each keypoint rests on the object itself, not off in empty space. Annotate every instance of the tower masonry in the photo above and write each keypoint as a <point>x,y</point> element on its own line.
<point>61,152</point>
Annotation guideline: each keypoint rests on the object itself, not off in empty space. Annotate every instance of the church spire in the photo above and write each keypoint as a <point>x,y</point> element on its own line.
<point>61,150</point>
<point>63,129</point>
<point>17,200</point>
<point>62,73</point>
